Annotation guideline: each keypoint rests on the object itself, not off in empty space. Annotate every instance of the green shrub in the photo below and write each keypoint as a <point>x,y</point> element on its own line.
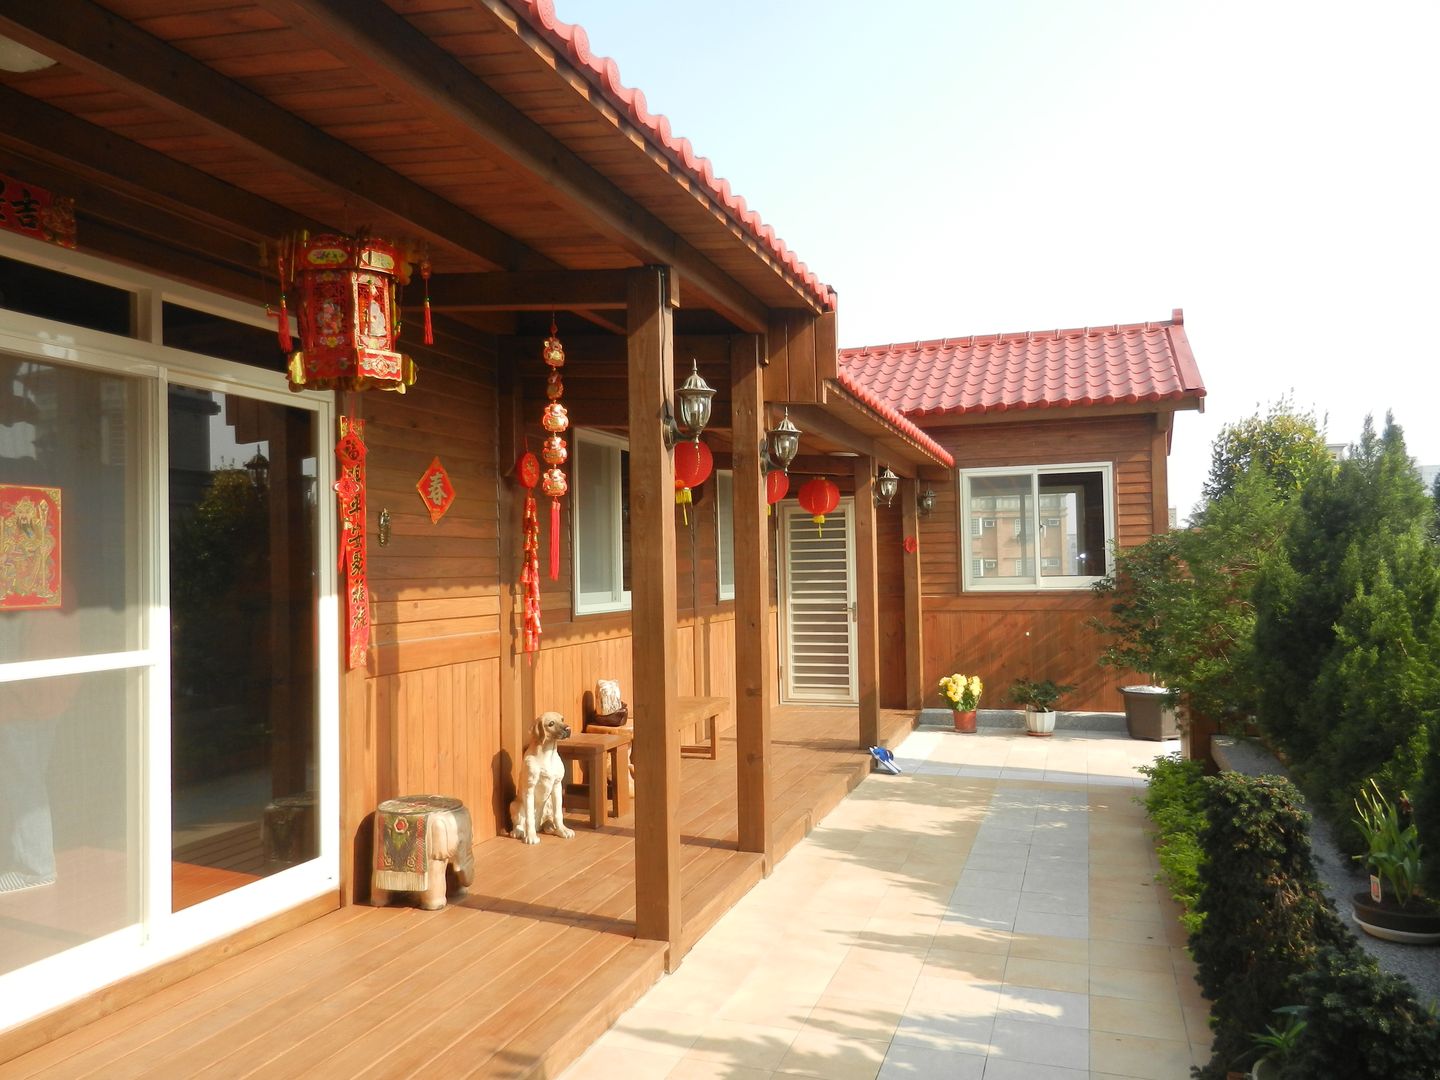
<point>1361,1022</point>
<point>1175,801</point>
<point>1346,636</point>
<point>1264,913</point>
<point>1427,813</point>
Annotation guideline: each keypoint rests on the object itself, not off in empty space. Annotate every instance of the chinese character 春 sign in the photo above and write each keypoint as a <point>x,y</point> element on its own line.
<point>435,490</point>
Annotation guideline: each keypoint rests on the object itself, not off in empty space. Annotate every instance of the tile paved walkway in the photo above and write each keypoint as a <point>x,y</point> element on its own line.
<point>990,914</point>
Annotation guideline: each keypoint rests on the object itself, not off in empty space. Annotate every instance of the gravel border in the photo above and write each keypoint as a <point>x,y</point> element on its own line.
<point>1340,876</point>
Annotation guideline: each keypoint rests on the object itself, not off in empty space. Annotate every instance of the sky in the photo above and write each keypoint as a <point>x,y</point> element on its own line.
<point>959,167</point>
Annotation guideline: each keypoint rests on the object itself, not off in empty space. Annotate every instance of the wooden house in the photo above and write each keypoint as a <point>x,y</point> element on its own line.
<point>204,694</point>
<point>1060,440</point>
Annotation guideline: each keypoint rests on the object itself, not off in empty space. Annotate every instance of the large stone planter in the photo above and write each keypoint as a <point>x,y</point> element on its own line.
<point>1149,713</point>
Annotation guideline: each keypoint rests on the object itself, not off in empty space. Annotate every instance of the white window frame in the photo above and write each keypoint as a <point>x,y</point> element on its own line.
<point>617,599</point>
<point>1038,582</point>
<point>161,934</point>
<point>724,532</point>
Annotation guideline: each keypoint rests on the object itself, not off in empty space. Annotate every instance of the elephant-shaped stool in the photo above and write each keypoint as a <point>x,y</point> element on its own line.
<point>417,837</point>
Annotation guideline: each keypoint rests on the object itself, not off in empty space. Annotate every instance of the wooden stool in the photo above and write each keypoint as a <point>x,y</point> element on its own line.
<point>592,750</point>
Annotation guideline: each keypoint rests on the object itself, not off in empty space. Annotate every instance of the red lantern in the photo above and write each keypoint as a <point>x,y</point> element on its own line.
<point>348,306</point>
<point>777,483</point>
<point>819,497</point>
<point>693,464</point>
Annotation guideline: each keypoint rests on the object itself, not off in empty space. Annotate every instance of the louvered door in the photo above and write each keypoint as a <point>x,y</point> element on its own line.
<point>819,605</point>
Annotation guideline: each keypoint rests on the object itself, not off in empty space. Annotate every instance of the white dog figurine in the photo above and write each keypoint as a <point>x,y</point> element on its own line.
<point>542,786</point>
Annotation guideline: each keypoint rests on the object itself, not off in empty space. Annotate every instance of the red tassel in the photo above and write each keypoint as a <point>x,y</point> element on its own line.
<point>283,327</point>
<point>554,539</point>
<point>425,276</point>
<point>286,344</point>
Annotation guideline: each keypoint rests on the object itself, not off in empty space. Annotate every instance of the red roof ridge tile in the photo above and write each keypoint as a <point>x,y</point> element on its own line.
<point>571,40</point>
<point>1006,337</point>
<point>894,417</point>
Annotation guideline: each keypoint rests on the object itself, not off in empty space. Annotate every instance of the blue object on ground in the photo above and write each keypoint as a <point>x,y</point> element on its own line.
<point>885,760</point>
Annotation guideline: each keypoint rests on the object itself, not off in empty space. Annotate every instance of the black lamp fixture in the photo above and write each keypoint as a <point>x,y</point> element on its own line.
<point>692,402</point>
<point>782,443</point>
<point>886,485</point>
<point>259,469</point>
<point>926,501</point>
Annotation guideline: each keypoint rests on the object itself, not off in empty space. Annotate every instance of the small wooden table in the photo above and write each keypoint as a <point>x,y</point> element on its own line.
<point>697,710</point>
<point>592,749</point>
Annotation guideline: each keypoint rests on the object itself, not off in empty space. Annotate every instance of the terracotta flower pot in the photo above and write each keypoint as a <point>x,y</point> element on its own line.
<point>964,721</point>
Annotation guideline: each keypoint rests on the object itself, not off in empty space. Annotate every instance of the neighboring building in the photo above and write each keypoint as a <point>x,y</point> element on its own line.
<point>1060,440</point>
<point>1428,474</point>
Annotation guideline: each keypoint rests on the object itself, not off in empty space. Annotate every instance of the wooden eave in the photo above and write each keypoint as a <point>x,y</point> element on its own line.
<point>460,129</point>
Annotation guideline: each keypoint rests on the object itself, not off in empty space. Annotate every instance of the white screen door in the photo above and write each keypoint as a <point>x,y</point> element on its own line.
<point>819,604</point>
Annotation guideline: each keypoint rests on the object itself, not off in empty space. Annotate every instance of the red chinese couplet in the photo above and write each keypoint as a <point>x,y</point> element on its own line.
<point>350,451</point>
<point>33,211</point>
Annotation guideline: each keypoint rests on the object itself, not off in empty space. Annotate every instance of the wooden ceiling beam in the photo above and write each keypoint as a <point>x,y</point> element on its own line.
<point>36,130</point>
<point>407,64</point>
<point>101,44</point>
<point>535,290</point>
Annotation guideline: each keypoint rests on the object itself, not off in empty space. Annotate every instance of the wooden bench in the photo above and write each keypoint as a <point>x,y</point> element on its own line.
<point>694,711</point>
<point>593,749</point>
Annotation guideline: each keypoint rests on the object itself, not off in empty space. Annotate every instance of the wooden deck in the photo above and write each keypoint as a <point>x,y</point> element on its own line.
<point>515,981</point>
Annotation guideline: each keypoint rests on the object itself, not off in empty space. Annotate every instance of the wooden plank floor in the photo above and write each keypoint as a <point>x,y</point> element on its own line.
<point>514,981</point>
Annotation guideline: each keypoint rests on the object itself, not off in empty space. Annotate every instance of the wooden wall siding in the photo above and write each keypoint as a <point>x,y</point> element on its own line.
<point>890,568</point>
<point>801,350</point>
<point>425,715</point>
<point>1005,636</point>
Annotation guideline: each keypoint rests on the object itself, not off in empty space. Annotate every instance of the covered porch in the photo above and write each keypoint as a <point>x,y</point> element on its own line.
<point>516,980</point>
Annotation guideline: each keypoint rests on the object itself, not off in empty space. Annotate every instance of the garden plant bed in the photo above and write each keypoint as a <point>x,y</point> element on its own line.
<point>1338,873</point>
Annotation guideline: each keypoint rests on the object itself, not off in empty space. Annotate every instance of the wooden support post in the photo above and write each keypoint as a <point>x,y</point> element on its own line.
<point>915,688</point>
<point>650,344</point>
<point>867,600</point>
<point>755,657</point>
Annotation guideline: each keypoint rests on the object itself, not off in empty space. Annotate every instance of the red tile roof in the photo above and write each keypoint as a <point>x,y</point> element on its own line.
<point>894,418</point>
<point>570,40</point>
<point>1095,365</point>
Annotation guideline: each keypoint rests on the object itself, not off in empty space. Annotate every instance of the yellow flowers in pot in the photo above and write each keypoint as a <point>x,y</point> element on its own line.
<point>961,692</point>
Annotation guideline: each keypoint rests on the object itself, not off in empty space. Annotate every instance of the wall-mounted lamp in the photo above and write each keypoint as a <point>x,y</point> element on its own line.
<point>259,469</point>
<point>692,402</point>
<point>886,485</point>
<point>926,501</point>
<point>782,443</point>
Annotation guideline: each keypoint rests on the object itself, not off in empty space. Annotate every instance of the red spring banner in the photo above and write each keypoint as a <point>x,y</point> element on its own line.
<point>350,487</point>
<point>33,211</point>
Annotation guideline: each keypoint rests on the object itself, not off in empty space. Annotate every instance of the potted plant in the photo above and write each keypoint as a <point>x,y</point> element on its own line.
<point>962,694</point>
<point>1150,712</point>
<point>1395,908</point>
<point>1275,1044</point>
<point>1039,700</point>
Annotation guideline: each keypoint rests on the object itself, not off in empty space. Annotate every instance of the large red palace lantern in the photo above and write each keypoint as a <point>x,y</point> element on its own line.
<point>818,497</point>
<point>348,310</point>
<point>693,465</point>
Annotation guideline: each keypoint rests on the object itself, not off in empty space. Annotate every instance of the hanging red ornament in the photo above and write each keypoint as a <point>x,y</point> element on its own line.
<point>554,484</point>
<point>348,315</point>
<point>554,420</point>
<point>528,471</point>
<point>693,463</point>
<point>284,264</point>
<point>554,451</point>
<point>819,497</point>
<point>425,277</point>
<point>350,488</point>
<point>777,483</point>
